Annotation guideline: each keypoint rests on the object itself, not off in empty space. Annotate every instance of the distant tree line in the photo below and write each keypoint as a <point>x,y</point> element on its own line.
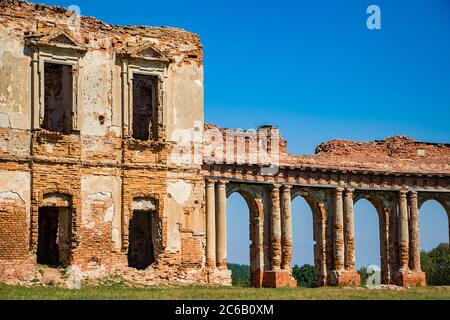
<point>240,275</point>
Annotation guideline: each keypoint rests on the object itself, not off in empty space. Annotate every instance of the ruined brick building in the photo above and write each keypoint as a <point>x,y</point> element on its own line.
<point>96,171</point>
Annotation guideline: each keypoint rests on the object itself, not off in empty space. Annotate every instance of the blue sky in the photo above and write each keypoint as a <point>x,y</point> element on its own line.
<point>313,69</point>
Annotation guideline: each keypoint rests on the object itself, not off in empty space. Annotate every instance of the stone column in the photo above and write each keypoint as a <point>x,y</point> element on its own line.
<point>286,228</point>
<point>221,225</point>
<point>403,232</point>
<point>276,229</point>
<point>349,230</point>
<point>210,224</point>
<point>339,261</point>
<point>414,232</point>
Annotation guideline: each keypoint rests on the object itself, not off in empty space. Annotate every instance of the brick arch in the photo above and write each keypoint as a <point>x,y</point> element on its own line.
<point>319,215</point>
<point>57,192</point>
<point>61,198</point>
<point>255,205</point>
<point>64,197</point>
<point>443,200</point>
<point>380,204</point>
<point>250,197</point>
<point>56,199</point>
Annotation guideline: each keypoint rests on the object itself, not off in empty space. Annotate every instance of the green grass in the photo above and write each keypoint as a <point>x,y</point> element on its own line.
<point>118,292</point>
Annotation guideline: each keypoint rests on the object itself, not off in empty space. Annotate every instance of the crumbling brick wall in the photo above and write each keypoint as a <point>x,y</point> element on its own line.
<point>92,159</point>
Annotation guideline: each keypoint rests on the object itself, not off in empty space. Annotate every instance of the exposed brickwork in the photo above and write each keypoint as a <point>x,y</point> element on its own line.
<point>279,278</point>
<point>90,169</point>
<point>182,46</point>
<point>411,279</point>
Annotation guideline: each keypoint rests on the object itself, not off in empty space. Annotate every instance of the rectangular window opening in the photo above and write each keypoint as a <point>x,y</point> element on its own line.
<point>58,93</point>
<point>144,106</point>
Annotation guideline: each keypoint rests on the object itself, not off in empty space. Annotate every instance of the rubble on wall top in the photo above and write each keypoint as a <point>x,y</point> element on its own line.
<point>393,154</point>
<point>175,43</point>
<point>394,142</point>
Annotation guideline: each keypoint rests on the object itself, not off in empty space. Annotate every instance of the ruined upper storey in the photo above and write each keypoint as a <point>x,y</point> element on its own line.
<point>266,147</point>
<point>18,16</point>
<point>69,74</point>
<point>393,154</point>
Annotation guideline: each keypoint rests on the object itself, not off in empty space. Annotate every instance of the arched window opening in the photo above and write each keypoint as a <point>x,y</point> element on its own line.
<point>434,236</point>
<point>303,243</point>
<point>367,238</point>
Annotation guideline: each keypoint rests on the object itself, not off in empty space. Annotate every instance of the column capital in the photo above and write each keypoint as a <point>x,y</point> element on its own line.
<point>349,190</point>
<point>413,194</point>
<point>403,193</point>
<point>210,182</point>
<point>339,190</point>
<point>276,187</point>
<point>222,182</point>
<point>287,187</point>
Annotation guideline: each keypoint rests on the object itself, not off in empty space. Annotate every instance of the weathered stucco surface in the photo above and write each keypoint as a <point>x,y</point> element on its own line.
<point>154,210</point>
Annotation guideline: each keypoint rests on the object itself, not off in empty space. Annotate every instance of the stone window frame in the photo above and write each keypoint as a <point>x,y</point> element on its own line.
<point>48,48</point>
<point>137,61</point>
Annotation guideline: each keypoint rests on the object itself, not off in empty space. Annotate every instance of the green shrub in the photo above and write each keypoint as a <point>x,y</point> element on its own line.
<point>240,274</point>
<point>304,275</point>
<point>436,264</point>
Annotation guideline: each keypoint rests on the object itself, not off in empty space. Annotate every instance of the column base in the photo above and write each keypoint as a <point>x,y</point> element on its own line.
<point>219,277</point>
<point>278,279</point>
<point>410,279</point>
<point>256,278</point>
<point>344,278</point>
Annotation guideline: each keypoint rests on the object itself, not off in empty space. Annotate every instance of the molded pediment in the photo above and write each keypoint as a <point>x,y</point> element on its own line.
<point>147,52</point>
<point>54,38</point>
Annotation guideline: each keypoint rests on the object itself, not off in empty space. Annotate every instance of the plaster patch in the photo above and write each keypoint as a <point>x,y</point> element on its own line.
<point>180,191</point>
<point>10,197</point>
<point>99,198</point>
<point>4,120</point>
<point>143,205</point>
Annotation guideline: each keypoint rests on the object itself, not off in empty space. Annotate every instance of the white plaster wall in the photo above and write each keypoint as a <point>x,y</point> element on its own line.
<point>15,83</point>
<point>184,98</point>
<point>14,185</point>
<point>96,73</point>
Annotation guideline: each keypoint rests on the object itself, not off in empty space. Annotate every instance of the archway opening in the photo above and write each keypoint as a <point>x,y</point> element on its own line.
<point>54,231</point>
<point>303,243</point>
<point>238,239</point>
<point>434,246</point>
<point>140,249</point>
<point>141,234</point>
<point>433,222</point>
<point>367,239</point>
<point>54,236</point>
